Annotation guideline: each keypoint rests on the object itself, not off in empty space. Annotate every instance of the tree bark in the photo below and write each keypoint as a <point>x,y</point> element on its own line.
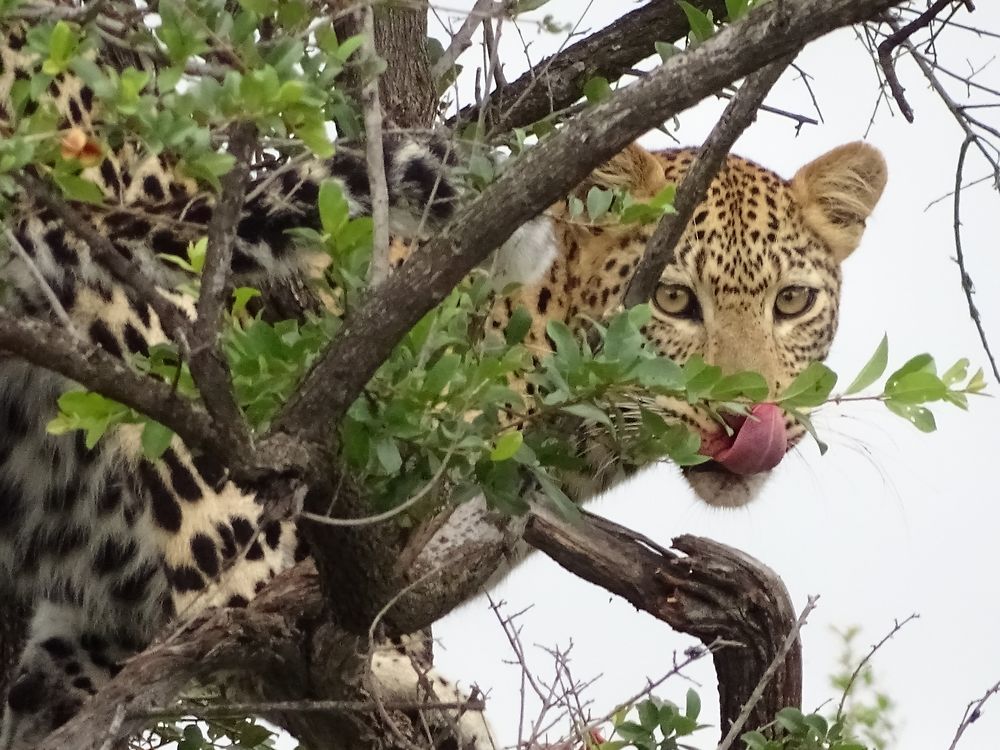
<point>713,592</point>
<point>406,88</point>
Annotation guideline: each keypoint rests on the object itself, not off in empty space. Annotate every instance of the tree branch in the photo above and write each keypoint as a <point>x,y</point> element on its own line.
<point>208,363</point>
<point>714,592</point>
<point>538,179</point>
<point>557,81</point>
<point>739,113</point>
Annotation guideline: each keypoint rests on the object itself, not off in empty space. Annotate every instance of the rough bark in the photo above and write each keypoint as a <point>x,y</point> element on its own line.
<point>713,592</point>
<point>405,87</point>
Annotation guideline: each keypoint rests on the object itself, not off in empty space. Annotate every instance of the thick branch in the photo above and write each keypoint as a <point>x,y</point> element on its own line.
<point>714,593</point>
<point>537,180</point>
<point>739,113</point>
<point>208,363</point>
<point>557,81</point>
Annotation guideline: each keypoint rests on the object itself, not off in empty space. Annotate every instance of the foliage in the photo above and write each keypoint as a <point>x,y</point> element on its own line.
<point>868,710</point>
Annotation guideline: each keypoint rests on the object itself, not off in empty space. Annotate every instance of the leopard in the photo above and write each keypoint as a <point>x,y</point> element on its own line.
<point>112,546</point>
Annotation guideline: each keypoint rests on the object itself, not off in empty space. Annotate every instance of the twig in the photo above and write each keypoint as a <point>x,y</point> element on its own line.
<point>896,627</point>
<point>966,280</point>
<point>776,663</point>
<point>208,363</point>
<point>303,706</point>
<point>892,42</point>
<point>972,713</point>
<point>415,498</point>
<point>50,296</point>
<point>738,115</point>
<point>462,38</point>
<point>116,724</point>
<point>378,189</point>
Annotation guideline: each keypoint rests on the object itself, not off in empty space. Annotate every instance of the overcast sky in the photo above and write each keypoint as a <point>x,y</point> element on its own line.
<point>890,521</point>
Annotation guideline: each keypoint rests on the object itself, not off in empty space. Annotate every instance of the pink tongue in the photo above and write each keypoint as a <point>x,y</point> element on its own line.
<point>760,442</point>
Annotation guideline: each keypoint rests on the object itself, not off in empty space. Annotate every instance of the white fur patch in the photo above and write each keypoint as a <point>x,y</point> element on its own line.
<point>527,255</point>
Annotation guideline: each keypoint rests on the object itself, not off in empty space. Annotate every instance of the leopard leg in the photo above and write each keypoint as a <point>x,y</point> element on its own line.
<point>62,665</point>
<point>402,673</point>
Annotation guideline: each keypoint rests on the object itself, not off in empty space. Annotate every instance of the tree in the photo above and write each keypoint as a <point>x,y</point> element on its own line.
<point>358,564</point>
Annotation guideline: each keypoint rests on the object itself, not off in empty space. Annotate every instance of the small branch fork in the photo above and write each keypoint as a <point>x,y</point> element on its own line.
<point>889,45</point>
<point>972,713</point>
<point>739,113</point>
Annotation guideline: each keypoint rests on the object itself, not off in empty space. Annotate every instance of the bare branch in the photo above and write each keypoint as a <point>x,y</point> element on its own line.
<point>896,627</point>
<point>214,711</point>
<point>972,713</point>
<point>739,113</point>
<point>50,296</point>
<point>537,180</point>
<point>462,39</point>
<point>892,42</point>
<point>966,280</point>
<point>208,363</point>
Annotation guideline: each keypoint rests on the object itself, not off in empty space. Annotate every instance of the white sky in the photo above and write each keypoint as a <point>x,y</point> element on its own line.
<point>890,521</point>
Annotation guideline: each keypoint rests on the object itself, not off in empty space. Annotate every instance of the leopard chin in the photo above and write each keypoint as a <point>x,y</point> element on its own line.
<point>720,488</point>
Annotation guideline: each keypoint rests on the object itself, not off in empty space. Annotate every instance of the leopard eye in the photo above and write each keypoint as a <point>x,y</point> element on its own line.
<point>793,301</point>
<point>678,301</point>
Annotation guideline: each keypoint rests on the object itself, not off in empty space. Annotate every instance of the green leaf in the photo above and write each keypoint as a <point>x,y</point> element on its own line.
<point>597,89</point>
<point>916,388</point>
<point>693,707</point>
<point>388,455</point>
<point>563,505</point>
<point>811,388</point>
<point>700,22</point>
<point>598,202</point>
<point>649,715</point>
<point>736,9</point>
<point>919,416</point>
<point>956,373</point>
<point>506,445</point>
<point>155,439</point>
<point>919,363</point>
<point>873,370</point>
<point>791,719</point>
<point>334,210</point>
<point>588,412</point>
<point>665,50</point>
<point>518,326</point>
<point>241,298</point>
<point>78,189</point>
<point>754,740</point>
<point>567,349</point>
<point>750,385</point>
<point>803,419</point>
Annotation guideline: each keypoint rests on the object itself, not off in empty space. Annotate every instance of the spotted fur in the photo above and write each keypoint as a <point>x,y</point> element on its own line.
<point>112,546</point>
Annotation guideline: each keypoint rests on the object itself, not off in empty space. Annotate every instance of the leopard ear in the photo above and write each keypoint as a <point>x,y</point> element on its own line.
<point>633,169</point>
<point>837,193</point>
